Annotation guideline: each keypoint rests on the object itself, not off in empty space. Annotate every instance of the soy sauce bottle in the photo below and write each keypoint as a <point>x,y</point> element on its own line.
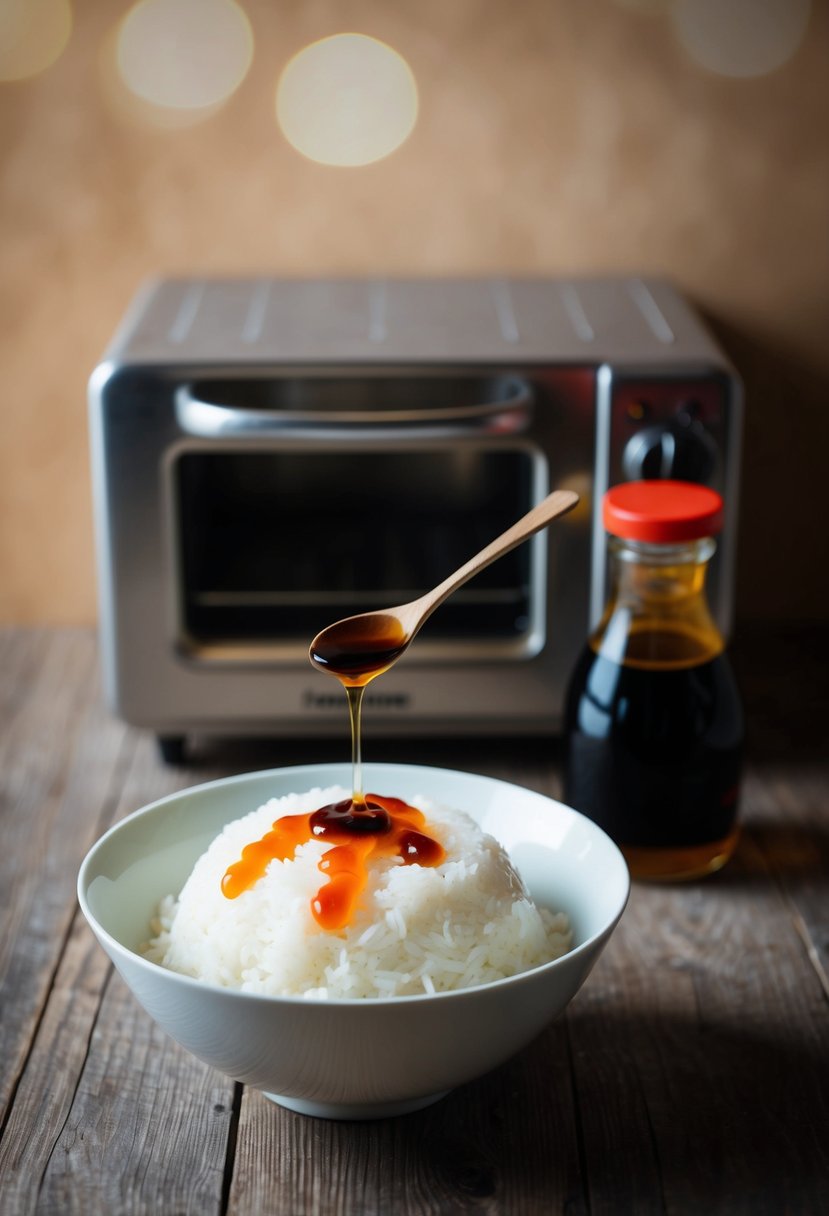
<point>653,719</point>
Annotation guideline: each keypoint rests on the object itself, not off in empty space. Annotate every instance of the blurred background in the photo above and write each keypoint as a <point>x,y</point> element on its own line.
<point>540,137</point>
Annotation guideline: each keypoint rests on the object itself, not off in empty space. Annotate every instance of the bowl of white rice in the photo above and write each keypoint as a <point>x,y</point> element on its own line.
<point>442,972</point>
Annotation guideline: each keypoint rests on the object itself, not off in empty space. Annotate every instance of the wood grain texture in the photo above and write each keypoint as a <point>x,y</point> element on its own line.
<point>712,1028</point>
<point>476,1151</point>
<point>148,1127</point>
<point>691,1073</point>
<point>58,758</point>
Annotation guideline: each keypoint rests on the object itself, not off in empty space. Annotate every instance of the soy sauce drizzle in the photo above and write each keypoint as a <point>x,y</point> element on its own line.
<point>378,826</point>
<point>358,827</point>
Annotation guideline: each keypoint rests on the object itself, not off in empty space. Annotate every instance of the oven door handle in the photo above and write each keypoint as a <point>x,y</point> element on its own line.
<point>509,412</point>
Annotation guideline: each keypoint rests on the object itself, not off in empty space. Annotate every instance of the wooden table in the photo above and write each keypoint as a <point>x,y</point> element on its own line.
<point>690,1075</point>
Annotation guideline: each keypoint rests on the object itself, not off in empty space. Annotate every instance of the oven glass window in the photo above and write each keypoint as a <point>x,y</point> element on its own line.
<point>274,545</point>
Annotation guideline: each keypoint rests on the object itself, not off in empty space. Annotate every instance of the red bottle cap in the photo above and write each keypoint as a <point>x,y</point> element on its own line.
<point>662,512</point>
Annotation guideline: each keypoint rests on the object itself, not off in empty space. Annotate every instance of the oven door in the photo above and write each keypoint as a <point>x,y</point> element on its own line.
<point>272,540</point>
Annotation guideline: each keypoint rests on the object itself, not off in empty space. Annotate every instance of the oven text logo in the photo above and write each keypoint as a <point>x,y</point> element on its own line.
<point>371,700</point>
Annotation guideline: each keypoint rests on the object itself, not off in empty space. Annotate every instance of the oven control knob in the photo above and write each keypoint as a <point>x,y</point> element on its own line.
<point>683,450</point>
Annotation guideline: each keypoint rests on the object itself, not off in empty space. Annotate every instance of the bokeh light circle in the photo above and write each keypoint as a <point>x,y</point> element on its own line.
<point>347,100</point>
<point>184,54</point>
<point>33,34</point>
<point>741,38</point>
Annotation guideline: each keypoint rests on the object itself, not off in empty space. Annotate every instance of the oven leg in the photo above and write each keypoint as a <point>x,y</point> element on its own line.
<point>173,749</point>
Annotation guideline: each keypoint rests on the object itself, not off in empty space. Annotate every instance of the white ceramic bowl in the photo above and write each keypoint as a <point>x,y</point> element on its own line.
<point>353,1059</point>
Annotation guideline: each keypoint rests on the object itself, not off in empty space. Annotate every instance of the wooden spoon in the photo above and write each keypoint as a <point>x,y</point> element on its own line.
<point>358,648</point>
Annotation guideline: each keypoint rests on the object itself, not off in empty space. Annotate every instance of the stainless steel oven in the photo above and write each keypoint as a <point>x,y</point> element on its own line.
<point>271,455</point>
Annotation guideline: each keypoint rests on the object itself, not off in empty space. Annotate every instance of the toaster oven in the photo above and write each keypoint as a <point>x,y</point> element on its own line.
<point>272,455</point>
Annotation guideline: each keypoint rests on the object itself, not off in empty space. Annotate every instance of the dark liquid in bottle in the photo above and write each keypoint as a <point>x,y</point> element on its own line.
<point>654,750</point>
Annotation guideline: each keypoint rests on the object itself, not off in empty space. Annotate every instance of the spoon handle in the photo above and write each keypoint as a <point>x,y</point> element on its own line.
<point>555,504</point>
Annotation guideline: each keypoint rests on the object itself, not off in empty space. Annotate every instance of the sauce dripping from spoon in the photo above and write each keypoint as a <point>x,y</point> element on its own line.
<point>359,648</point>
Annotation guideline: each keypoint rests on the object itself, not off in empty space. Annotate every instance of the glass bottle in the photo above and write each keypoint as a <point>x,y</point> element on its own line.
<point>653,719</point>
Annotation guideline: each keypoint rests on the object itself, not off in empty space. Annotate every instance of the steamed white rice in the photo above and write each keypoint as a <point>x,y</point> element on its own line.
<point>418,929</point>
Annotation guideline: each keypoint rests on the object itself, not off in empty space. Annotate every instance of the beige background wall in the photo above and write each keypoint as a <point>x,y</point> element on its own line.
<point>562,136</point>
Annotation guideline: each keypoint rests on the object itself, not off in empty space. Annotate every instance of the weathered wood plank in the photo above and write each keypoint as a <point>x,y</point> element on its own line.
<point>21,655</point>
<point>707,1038</point>
<point>72,770</point>
<point>505,1145</point>
<point>521,761</point>
<point>134,1124</point>
<point>46,1091</point>
<point>60,763</point>
<point>790,825</point>
<point>148,1127</point>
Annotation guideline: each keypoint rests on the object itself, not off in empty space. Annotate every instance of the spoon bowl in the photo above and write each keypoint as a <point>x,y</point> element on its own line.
<point>358,648</point>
